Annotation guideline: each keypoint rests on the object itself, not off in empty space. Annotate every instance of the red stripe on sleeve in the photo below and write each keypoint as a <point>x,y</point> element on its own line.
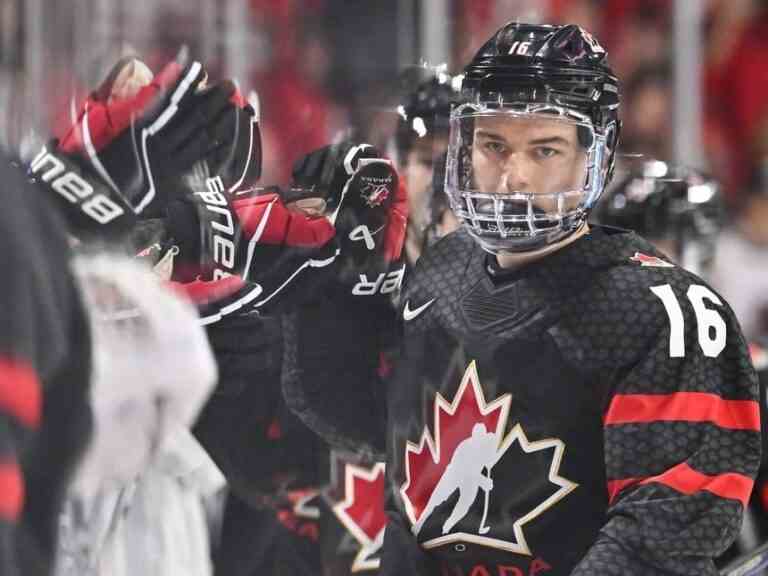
<point>11,491</point>
<point>688,481</point>
<point>20,394</point>
<point>616,486</point>
<point>683,406</point>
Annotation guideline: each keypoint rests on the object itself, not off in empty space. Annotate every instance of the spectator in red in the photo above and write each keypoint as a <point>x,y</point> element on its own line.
<point>737,85</point>
<point>297,110</point>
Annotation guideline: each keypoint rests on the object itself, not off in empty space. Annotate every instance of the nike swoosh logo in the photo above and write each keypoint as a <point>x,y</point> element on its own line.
<point>409,314</point>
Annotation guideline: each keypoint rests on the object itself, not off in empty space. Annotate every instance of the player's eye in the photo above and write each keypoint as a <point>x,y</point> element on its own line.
<point>544,152</point>
<point>496,147</point>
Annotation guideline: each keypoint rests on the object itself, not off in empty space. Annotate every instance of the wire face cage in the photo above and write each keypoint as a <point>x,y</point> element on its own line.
<point>503,210</point>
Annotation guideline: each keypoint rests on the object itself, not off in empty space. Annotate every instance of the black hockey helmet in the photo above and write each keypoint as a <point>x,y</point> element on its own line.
<point>425,106</point>
<point>666,203</point>
<point>534,71</point>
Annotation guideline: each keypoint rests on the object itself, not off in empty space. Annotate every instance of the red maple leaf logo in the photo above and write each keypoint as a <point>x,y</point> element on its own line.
<point>652,261</point>
<point>466,426</point>
<point>362,511</point>
<point>375,194</point>
<point>299,516</point>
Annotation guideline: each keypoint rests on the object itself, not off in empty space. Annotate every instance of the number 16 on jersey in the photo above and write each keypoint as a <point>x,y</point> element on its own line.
<point>710,324</point>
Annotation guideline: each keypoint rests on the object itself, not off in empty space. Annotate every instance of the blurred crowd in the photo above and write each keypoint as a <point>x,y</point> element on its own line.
<point>322,66</point>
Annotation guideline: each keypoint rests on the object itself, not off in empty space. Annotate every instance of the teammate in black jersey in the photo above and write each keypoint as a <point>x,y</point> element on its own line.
<point>567,401</point>
<point>421,141</point>
<point>45,368</point>
<point>680,210</point>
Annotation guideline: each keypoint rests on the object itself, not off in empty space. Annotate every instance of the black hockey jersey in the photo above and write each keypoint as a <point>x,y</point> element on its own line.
<point>269,457</point>
<point>352,516</point>
<point>747,555</point>
<point>593,413</point>
<point>259,445</point>
<point>45,417</point>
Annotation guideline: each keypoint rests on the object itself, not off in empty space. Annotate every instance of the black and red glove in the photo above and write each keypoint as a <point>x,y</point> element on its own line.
<point>236,253</point>
<point>330,382</point>
<point>126,155</point>
<point>367,203</point>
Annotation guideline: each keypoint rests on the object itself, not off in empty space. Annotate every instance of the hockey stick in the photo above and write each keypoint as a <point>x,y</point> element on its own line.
<point>483,528</point>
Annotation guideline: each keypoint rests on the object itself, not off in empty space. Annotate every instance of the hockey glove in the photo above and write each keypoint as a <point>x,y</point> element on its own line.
<point>91,207</point>
<point>136,142</point>
<point>133,145</point>
<point>367,202</point>
<point>251,247</point>
<point>332,383</point>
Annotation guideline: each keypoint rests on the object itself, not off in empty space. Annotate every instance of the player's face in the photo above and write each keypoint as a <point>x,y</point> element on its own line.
<point>419,167</point>
<point>527,155</point>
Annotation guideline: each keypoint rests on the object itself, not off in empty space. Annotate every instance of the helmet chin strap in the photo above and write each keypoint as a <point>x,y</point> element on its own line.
<point>515,260</point>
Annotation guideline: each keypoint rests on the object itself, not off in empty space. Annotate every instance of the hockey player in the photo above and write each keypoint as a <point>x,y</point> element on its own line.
<point>268,242</point>
<point>680,210</point>
<point>142,400</point>
<point>617,385</point>
<point>45,362</point>
<point>274,464</point>
<point>351,507</point>
<point>421,141</point>
<point>531,150</point>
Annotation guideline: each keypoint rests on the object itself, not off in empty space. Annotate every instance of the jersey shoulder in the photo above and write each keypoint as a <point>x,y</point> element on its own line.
<point>624,266</point>
<point>640,274</point>
<point>637,302</point>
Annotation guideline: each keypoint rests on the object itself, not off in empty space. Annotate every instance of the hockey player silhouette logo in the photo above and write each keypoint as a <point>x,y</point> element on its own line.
<point>450,470</point>
<point>464,473</point>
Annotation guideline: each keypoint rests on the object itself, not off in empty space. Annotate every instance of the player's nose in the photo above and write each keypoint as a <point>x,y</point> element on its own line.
<point>514,176</point>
